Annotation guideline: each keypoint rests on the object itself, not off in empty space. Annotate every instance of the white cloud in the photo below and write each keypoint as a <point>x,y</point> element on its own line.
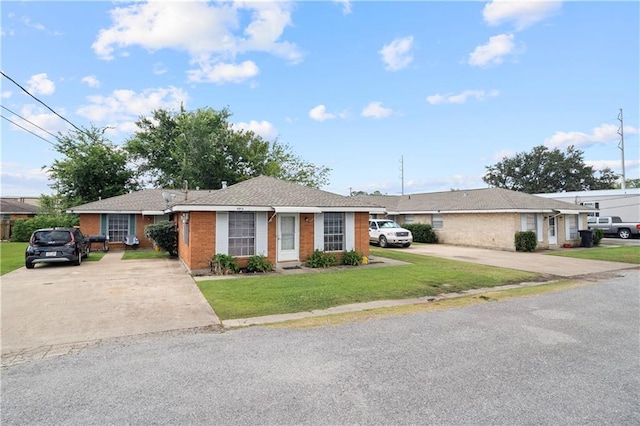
<point>505,153</point>
<point>23,180</point>
<point>212,34</point>
<point>262,128</point>
<point>397,54</point>
<point>43,119</point>
<point>614,165</point>
<point>222,73</point>
<point>319,113</point>
<point>603,134</point>
<point>39,84</point>
<point>376,110</point>
<point>27,22</point>
<point>462,97</point>
<point>346,6</point>
<point>494,51</point>
<point>159,68</point>
<point>91,81</point>
<point>123,107</point>
<point>523,14</point>
<point>6,94</point>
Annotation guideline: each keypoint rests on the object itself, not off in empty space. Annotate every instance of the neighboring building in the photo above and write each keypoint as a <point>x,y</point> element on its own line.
<point>488,217</point>
<point>281,220</point>
<point>12,208</point>
<point>610,202</point>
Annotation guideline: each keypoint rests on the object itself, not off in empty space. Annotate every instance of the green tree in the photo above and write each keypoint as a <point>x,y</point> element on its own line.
<point>630,183</point>
<point>92,167</point>
<point>201,148</point>
<point>545,171</point>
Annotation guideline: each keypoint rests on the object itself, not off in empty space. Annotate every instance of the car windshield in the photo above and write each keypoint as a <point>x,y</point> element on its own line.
<point>47,237</point>
<point>388,224</point>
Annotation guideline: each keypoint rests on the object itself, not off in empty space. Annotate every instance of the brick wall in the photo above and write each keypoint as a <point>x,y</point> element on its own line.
<point>362,233</point>
<point>490,230</point>
<point>90,223</point>
<point>307,235</point>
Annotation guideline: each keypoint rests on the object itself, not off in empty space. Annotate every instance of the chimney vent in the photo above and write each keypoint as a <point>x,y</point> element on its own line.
<point>224,184</point>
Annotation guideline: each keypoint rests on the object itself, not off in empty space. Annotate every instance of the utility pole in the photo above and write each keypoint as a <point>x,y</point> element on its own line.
<point>402,172</point>
<point>621,146</point>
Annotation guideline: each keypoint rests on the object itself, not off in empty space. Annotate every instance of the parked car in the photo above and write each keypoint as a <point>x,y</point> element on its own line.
<point>386,232</point>
<point>52,245</point>
<point>613,225</point>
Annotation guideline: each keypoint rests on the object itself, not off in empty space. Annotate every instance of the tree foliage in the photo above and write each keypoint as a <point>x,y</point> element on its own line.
<point>92,167</point>
<point>546,171</point>
<point>202,148</point>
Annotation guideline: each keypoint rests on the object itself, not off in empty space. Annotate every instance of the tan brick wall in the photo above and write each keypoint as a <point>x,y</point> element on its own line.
<point>490,230</point>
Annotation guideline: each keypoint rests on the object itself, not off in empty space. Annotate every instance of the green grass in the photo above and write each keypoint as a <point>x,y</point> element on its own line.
<point>11,256</point>
<point>144,254</point>
<point>611,254</point>
<point>424,276</point>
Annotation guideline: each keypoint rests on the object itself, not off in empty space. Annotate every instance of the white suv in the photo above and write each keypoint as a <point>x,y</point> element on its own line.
<point>386,232</point>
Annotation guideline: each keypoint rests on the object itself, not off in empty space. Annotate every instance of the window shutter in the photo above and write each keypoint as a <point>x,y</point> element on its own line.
<point>132,224</point>
<point>261,233</point>
<point>222,233</point>
<point>318,232</point>
<point>349,231</point>
<point>104,228</point>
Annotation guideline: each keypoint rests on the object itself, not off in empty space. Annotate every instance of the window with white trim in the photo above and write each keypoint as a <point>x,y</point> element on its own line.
<point>242,233</point>
<point>408,218</point>
<point>118,226</point>
<point>333,231</point>
<point>531,223</point>
<point>572,226</point>
<point>437,222</point>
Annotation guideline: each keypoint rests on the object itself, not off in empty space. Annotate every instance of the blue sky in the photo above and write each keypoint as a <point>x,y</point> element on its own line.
<point>448,87</point>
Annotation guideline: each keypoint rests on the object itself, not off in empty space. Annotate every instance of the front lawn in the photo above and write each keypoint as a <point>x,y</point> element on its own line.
<point>611,254</point>
<point>144,254</point>
<point>424,276</point>
<point>11,256</point>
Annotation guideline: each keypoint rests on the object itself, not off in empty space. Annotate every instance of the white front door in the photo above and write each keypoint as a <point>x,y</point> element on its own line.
<point>288,237</point>
<point>553,231</point>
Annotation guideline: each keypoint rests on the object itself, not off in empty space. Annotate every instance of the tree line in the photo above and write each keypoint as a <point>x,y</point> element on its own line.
<point>202,149</point>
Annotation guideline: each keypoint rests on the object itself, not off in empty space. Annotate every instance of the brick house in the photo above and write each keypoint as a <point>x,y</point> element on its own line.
<point>488,217</point>
<point>281,220</point>
<point>12,209</point>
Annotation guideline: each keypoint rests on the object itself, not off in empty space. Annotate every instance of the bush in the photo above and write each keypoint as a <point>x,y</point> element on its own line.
<point>597,236</point>
<point>224,264</point>
<point>526,241</point>
<point>422,232</point>
<point>22,229</point>
<point>259,263</point>
<point>352,258</point>
<point>165,235</point>
<point>321,259</point>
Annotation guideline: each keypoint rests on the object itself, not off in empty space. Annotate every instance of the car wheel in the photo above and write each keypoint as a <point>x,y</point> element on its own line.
<point>405,245</point>
<point>624,234</point>
<point>383,241</point>
<point>28,265</point>
<point>78,262</point>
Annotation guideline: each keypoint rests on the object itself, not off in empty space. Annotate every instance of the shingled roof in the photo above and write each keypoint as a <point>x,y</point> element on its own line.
<point>262,191</point>
<point>8,206</point>
<point>470,201</point>
<point>265,191</point>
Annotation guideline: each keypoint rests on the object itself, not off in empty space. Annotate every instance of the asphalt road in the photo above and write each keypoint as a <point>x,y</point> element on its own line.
<point>569,357</point>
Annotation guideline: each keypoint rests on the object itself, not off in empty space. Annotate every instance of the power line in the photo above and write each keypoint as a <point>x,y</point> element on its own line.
<point>27,130</point>
<point>47,106</point>
<point>33,124</point>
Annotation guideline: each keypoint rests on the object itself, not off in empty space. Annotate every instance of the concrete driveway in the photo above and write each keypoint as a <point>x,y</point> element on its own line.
<point>65,304</point>
<point>532,262</point>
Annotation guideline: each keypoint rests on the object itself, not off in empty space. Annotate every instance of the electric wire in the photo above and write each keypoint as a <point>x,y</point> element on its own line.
<point>27,130</point>
<point>33,124</point>
<point>46,106</point>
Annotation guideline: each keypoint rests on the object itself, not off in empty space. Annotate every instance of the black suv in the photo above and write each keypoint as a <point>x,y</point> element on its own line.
<point>53,245</point>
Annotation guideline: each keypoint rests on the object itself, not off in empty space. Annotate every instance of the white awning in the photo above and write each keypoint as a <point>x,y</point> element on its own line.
<point>290,209</point>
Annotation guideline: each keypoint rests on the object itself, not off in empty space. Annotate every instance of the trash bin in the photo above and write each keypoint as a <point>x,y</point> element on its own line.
<point>587,237</point>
